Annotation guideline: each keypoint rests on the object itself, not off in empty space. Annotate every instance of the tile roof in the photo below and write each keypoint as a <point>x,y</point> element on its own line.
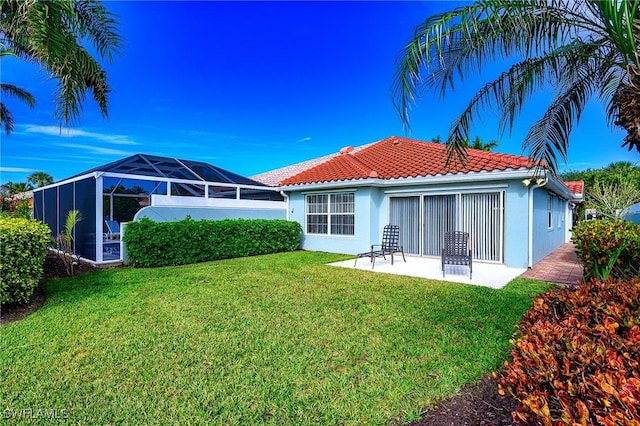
<point>576,187</point>
<point>397,157</point>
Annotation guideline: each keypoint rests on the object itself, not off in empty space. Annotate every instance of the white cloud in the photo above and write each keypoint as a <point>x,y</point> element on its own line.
<point>303,139</point>
<point>96,149</point>
<point>74,133</point>
<point>15,170</point>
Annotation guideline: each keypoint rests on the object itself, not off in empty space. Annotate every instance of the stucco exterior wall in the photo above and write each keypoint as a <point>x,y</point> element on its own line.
<point>365,223</point>
<point>372,213</point>
<point>516,225</point>
<point>545,238</point>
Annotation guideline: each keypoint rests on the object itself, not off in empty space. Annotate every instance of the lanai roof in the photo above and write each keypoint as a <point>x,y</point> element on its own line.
<point>166,167</point>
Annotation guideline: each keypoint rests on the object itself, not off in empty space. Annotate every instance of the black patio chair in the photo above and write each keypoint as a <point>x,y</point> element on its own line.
<point>456,251</point>
<point>389,245</point>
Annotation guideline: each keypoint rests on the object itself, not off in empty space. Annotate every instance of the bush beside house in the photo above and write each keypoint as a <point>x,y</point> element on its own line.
<point>577,358</point>
<point>23,247</point>
<point>151,244</point>
<point>608,247</point>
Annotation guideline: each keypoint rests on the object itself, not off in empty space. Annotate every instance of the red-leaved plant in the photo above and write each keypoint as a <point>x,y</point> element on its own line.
<point>576,357</point>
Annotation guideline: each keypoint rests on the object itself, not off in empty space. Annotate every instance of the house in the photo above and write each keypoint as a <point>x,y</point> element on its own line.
<point>516,213</point>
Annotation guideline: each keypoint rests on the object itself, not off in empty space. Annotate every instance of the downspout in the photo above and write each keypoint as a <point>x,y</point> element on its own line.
<point>539,184</point>
<point>286,198</point>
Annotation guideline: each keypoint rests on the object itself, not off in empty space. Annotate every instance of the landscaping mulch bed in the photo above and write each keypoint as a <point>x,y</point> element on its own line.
<point>476,405</point>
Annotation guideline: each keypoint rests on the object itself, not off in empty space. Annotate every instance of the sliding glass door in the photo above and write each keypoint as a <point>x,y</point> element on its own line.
<point>423,219</point>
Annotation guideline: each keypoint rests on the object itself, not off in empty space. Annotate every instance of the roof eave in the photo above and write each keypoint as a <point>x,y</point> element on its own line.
<point>417,180</point>
<point>558,187</point>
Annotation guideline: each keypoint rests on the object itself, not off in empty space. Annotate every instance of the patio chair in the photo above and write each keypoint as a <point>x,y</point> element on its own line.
<point>113,230</point>
<point>390,237</point>
<point>456,251</point>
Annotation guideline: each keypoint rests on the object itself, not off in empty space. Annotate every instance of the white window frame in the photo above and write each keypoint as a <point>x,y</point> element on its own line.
<point>328,212</point>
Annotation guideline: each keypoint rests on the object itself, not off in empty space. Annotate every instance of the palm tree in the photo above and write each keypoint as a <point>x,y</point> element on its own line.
<point>40,179</point>
<point>51,35</point>
<point>12,188</point>
<point>9,90</point>
<point>478,144</point>
<point>579,48</point>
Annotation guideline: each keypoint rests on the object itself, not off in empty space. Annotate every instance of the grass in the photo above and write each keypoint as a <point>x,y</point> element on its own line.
<point>276,339</point>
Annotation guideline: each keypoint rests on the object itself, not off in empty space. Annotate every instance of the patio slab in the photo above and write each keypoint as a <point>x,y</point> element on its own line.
<point>484,274</point>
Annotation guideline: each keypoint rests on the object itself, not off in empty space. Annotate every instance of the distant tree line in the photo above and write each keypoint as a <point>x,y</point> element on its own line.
<point>610,190</point>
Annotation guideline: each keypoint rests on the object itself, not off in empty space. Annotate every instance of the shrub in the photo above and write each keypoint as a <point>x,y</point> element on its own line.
<point>152,243</point>
<point>576,360</point>
<point>603,242</point>
<point>23,247</point>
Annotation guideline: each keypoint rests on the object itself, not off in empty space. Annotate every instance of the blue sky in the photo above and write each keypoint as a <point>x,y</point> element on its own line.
<point>253,86</point>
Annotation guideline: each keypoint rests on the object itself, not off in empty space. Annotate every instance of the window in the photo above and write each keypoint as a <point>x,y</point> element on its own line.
<point>560,218</point>
<point>317,214</point>
<point>550,212</point>
<point>331,214</point>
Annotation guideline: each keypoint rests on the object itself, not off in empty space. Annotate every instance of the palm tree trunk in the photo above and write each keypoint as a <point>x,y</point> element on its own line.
<point>627,100</point>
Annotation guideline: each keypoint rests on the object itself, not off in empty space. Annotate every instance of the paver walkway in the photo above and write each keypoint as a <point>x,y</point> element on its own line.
<point>561,267</point>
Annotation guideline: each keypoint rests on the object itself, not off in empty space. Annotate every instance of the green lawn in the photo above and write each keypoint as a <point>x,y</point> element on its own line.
<point>277,339</point>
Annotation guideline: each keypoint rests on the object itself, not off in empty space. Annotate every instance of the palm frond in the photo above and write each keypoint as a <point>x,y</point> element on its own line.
<point>508,93</point>
<point>460,42</point>
<point>18,93</point>
<point>548,138</point>
<point>619,18</point>
<point>6,119</point>
<point>52,34</point>
<point>99,25</point>
<point>86,76</point>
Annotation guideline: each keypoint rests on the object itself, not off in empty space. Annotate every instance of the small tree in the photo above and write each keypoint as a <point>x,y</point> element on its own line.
<point>477,143</point>
<point>64,242</point>
<point>612,200</point>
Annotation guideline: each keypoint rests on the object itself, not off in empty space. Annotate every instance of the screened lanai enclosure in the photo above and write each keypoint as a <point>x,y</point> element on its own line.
<point>161,188</point>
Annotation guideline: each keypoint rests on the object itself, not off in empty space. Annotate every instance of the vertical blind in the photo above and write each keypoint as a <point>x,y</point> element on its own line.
<point>405,212</point>
<point>481,217</point>
<point>440,214</point>
<point>479,214</point>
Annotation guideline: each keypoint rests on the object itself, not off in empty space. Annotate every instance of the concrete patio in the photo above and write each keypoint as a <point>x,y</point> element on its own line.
<point>484,274</point>
<point>560,267</point>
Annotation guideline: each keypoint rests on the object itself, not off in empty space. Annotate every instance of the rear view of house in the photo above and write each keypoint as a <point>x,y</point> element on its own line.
<point>516,213</point>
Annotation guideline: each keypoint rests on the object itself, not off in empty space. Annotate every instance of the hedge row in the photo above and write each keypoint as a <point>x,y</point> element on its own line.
<point>23,247</point>
<point>577,358</point>
<point>603,245</point>
<point>151,244</point>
